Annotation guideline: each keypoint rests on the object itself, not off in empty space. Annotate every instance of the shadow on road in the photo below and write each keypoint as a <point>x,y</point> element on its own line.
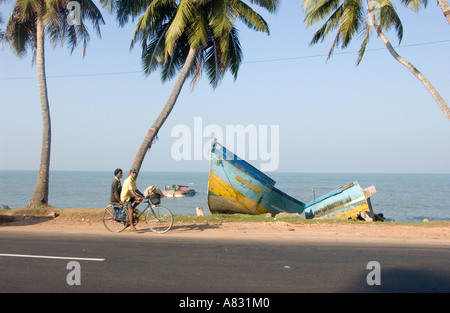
<point>142,228</point>
<point>398,280</point>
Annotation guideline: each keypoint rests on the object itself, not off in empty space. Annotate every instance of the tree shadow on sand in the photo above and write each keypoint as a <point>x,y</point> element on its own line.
<point>22,220</point>
<point>141,228</point>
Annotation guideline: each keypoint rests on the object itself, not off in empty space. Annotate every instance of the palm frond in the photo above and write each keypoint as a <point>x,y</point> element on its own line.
<point>270,5</point>
<point>174,62</point>
<point>126,9</point>
<point>350,20</point>
<point>334,44</point>
<point>415,4</point>
<point>197,69</point>
<point>251,18</point>
<point>197,30</point>
<point>221,18</point>
<point>388,17</point>
<point>185,11</point>
<point>213,67</point>
<point>330,24</point>
<point>109,5</point>
<point>318,10</point>
<point>153,52</point>
<point>234,52</point>
<point>362,49</point>
<point>20,31</point>
<point>91,12</point>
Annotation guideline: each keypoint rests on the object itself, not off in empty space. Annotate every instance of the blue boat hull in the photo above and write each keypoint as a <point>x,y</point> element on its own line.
<point>345,202</point>
<point>235,186</point>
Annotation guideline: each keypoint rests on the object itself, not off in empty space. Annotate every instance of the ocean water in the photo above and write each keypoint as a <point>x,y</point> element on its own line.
<point>403,197</point>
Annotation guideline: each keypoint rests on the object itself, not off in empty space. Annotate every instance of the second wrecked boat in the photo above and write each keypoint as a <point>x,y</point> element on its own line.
<point>235,186</point>
<point>344,202</point>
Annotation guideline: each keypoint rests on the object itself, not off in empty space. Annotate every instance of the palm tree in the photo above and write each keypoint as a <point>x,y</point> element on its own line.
<point>445,9</point>
<point>189,36</point>
<point>27,27</point>
<point>350,18</point>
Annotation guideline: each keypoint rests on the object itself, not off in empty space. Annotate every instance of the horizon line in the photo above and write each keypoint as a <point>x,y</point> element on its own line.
<point>203,171</point>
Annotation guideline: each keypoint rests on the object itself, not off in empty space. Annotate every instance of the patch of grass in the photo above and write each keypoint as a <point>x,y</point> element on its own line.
<point>425,224</point>
<point>42,211</point>
<point>222,218</point>
<point>244,218</point>
<point>48,211</point>
<point>78,214</point>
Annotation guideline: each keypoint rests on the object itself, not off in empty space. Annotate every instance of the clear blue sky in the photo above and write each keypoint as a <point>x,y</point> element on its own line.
<point>332,116</point>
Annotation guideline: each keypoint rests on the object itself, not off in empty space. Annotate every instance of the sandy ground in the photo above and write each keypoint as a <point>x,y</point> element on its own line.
<point>363,232</point>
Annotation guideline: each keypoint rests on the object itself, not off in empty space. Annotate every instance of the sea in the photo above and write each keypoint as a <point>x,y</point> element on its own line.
<point>401,197</point>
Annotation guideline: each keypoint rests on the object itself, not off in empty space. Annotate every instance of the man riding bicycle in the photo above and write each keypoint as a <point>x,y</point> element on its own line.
<point>130,196</point>
<point>116,187</point>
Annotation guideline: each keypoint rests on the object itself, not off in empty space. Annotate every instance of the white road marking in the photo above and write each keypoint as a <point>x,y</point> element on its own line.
<point>50,257</point>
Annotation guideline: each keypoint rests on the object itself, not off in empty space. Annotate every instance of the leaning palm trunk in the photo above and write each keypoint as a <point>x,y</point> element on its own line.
<point>445,9</point>
<point>40,196</point>
<point>437,97</point>
<point>153,131</point>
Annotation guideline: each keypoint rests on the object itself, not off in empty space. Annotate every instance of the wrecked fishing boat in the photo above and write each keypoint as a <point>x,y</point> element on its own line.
<point>235,186</point>
<point>345,202</point>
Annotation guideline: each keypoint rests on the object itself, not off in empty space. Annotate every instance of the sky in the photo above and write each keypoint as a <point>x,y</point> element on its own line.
<point>290,110</point>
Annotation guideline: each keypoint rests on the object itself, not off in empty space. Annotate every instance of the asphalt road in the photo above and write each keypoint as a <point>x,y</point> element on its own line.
<point>163,264</point>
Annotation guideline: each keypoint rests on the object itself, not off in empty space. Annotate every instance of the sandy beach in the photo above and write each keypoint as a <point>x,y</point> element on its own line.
<point>89,223</point>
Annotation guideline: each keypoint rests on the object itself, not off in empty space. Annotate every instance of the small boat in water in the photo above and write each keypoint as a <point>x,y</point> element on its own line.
<point>178,191</point>
<point>235,186</point>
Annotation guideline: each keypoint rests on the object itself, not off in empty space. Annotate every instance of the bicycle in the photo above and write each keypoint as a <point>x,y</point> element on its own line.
<point>158,218</point>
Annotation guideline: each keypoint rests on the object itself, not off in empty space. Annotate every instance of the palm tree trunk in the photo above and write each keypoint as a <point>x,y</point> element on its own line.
<point>437,97</point>
<point>40,196</point>
<point>445,9</point>
<point>153,131</point>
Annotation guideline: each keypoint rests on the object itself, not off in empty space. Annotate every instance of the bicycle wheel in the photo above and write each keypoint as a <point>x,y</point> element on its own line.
<point>159,219</point>
<point>115,218</point>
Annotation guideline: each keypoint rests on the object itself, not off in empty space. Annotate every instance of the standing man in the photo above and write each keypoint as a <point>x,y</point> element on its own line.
<point>130,195</point>
<point>116,186</point>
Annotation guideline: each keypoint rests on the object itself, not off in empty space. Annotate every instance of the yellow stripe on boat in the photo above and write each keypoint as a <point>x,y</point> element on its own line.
<point>353,212</point>
<point>220,191</point>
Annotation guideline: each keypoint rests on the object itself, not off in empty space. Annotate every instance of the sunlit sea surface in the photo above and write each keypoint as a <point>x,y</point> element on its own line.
<point>403,197</point>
